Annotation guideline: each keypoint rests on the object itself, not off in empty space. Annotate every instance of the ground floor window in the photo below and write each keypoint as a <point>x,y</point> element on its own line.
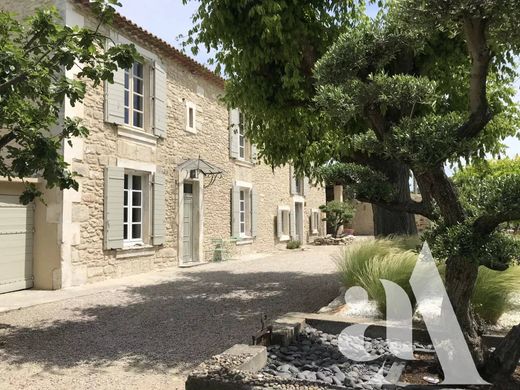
<point>134,208</point>
<point>315,221</point>
<point>284,223</point>
<point>243,210</point>
<point>244,220</point>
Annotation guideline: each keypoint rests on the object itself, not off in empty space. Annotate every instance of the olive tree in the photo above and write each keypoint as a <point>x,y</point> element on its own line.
<point>423,85</point>
<point>431,81</point>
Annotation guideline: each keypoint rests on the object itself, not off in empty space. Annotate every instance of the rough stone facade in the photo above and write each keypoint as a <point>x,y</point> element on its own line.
<point>78,254</point>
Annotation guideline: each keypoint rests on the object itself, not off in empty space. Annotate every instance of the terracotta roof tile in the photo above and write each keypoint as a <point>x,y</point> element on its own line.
<point>132,28</point>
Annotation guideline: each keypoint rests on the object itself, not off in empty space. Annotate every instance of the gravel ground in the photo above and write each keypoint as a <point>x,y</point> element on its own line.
<point>150,337</point>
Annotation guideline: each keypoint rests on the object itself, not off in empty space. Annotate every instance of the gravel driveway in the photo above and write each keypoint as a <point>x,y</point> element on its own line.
<point>149,337</point>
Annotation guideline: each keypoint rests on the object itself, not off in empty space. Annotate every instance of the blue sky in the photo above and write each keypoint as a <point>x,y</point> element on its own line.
<point>170,18</point>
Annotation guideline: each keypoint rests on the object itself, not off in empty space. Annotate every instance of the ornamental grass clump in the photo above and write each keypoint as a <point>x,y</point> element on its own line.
<point>493,292</point>
<point>365,263</point>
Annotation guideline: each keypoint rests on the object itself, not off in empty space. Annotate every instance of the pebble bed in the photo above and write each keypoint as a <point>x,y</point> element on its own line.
<point>315,357</point>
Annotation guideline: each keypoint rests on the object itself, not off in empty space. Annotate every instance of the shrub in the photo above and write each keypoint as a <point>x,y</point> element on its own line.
<point>493,292</point>
<point>293,244</point>
<point>338,214</point>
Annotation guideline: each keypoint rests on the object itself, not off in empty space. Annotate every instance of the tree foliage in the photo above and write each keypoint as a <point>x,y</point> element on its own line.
<point>36,52</point>
<point>267,50</point>
<point>422,85</point>
<point>487,189</point>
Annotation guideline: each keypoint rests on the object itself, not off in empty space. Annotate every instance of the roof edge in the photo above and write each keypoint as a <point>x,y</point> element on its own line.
<point>129,26</point>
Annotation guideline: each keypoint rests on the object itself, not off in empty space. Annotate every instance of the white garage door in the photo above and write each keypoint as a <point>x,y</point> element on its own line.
<point>16,243</point>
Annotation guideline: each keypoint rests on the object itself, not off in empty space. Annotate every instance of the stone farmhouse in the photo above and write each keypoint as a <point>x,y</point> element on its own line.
<point>168,178</point>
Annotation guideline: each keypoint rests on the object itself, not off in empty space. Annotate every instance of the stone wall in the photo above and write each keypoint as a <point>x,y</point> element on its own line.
<point>363,222</point>
<point>105,147</point>
<point>24,8</point>
<point>69,242</point>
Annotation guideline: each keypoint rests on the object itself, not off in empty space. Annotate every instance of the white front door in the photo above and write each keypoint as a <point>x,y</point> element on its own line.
<point>187,239</point>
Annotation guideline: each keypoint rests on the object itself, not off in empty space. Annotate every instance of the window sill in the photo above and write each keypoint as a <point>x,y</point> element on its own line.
<point>315,233</point>
<point>245,241</point>
<point>191,130</point>
<point>138,135</point>
<point>34,180</point>
<point>135,251</point>
<point>298,198</point>
<point>244,163</point>
<point>284,238</point>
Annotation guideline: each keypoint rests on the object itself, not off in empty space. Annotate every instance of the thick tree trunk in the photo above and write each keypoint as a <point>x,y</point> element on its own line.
<point>501,364</point>
<point>393,222</point>
<point>461,276</point>
<point>461,272</point>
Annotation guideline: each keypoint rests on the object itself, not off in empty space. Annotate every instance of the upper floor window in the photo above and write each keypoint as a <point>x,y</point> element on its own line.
<point>136,100</point>
<point>242,138</point>
<point>240,146</point>
<point>298,185</point>
<point>135,96</point>
<point>191,117</point>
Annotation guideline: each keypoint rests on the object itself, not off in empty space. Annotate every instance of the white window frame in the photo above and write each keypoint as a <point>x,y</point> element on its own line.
<point>299,183</point>
<point>284,212</point>
<point>191,128</point>
<point>245,213</point>
<point>244,146</point>
<point>144,207</point>
<point>241,138</point>
<point>315,221</point>
<point>129,88</point>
